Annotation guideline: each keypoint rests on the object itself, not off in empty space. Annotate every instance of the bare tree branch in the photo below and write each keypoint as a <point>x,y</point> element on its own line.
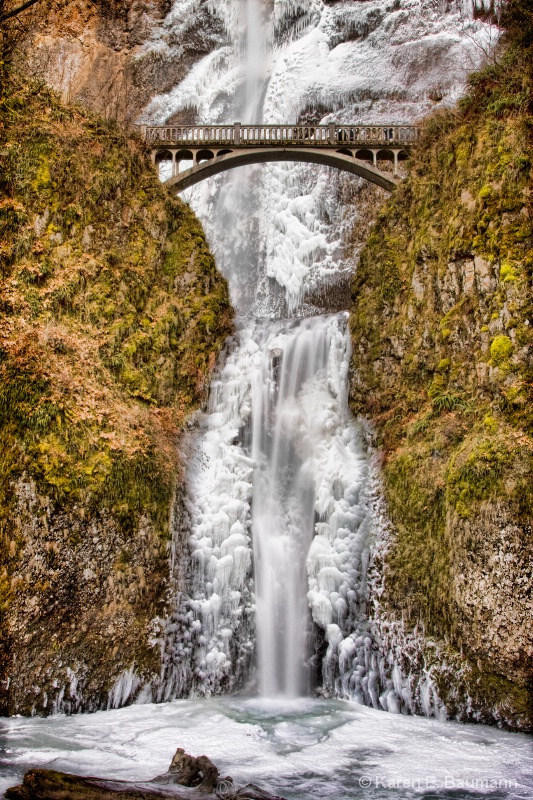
<point>17,11</point>
<point>489,49</point>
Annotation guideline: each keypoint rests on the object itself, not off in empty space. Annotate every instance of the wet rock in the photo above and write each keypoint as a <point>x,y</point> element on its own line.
<point>187,770</point>
<point>43,784</point>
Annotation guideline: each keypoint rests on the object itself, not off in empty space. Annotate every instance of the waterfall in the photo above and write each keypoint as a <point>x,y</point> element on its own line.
<point>255,58</point>
<point>277,453</point>
<point>273,538</point>
<point>278,526</point>
<point>287,389</point>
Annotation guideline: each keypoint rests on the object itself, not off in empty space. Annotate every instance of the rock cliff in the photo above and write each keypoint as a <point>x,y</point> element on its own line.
<point>114,56</point>
<point>442,361</point>
<point>111,316</point>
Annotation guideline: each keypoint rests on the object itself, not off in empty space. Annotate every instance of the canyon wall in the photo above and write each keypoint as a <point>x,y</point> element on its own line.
<point>442,362</point>
<point>114,56</point>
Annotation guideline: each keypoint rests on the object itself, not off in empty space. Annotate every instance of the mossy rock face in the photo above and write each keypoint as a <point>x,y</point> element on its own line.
<point>111,317</point>
<point>442,343</point>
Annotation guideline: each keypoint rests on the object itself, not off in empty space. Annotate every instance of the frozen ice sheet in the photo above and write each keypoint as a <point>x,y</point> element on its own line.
<point>307,748</point>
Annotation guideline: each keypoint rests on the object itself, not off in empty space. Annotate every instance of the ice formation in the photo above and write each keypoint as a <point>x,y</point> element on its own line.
<point>209,638</point>
<point>282,506</point>
<point>277,461</point>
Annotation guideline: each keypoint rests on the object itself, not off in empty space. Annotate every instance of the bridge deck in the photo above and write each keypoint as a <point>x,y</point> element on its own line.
<point>212,149</point>
<point>243,136</point>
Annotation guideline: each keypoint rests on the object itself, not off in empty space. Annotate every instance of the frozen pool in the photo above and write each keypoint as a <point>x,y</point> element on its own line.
<point>306,748</point>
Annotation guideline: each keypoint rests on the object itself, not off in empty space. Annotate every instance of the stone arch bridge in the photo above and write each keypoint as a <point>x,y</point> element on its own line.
<point>196,152</point>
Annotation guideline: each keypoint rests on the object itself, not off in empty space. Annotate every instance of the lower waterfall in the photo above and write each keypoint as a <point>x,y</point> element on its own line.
<point>286,388</point>
<point>280,528</point>
<point>309,469</point>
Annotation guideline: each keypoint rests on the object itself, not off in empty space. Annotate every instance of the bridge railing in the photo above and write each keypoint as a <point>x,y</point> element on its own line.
<point>238,135</point>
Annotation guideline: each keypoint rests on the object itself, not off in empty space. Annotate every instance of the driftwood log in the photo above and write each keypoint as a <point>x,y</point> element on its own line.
<point>188,778</point>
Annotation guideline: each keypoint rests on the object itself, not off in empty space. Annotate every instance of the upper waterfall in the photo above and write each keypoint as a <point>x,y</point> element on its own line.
<point>255,59</point>
<point>377,62</point>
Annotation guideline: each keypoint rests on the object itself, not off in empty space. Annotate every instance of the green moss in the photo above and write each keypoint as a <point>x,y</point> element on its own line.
<point>490,424</point>
<point>508,272</point>
<point>501,349</point>
<point>477,468</point>
<point>462,510</point>
<point>418,569</point>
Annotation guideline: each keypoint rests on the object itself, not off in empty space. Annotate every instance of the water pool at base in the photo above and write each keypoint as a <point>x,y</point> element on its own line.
<point>306,748</point>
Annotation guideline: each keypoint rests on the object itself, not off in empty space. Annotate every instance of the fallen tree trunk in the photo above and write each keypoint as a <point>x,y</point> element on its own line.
<point>45,784</point>
<point>188,778</point>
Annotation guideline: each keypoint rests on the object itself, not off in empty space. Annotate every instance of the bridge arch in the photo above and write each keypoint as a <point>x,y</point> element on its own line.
<point>163,155</point>
<point>238,158</point>
<point>385,155</point>
<point>365,155</point>
<point>164,163</point>
<point>204,155</point>
<point>184,155</point>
